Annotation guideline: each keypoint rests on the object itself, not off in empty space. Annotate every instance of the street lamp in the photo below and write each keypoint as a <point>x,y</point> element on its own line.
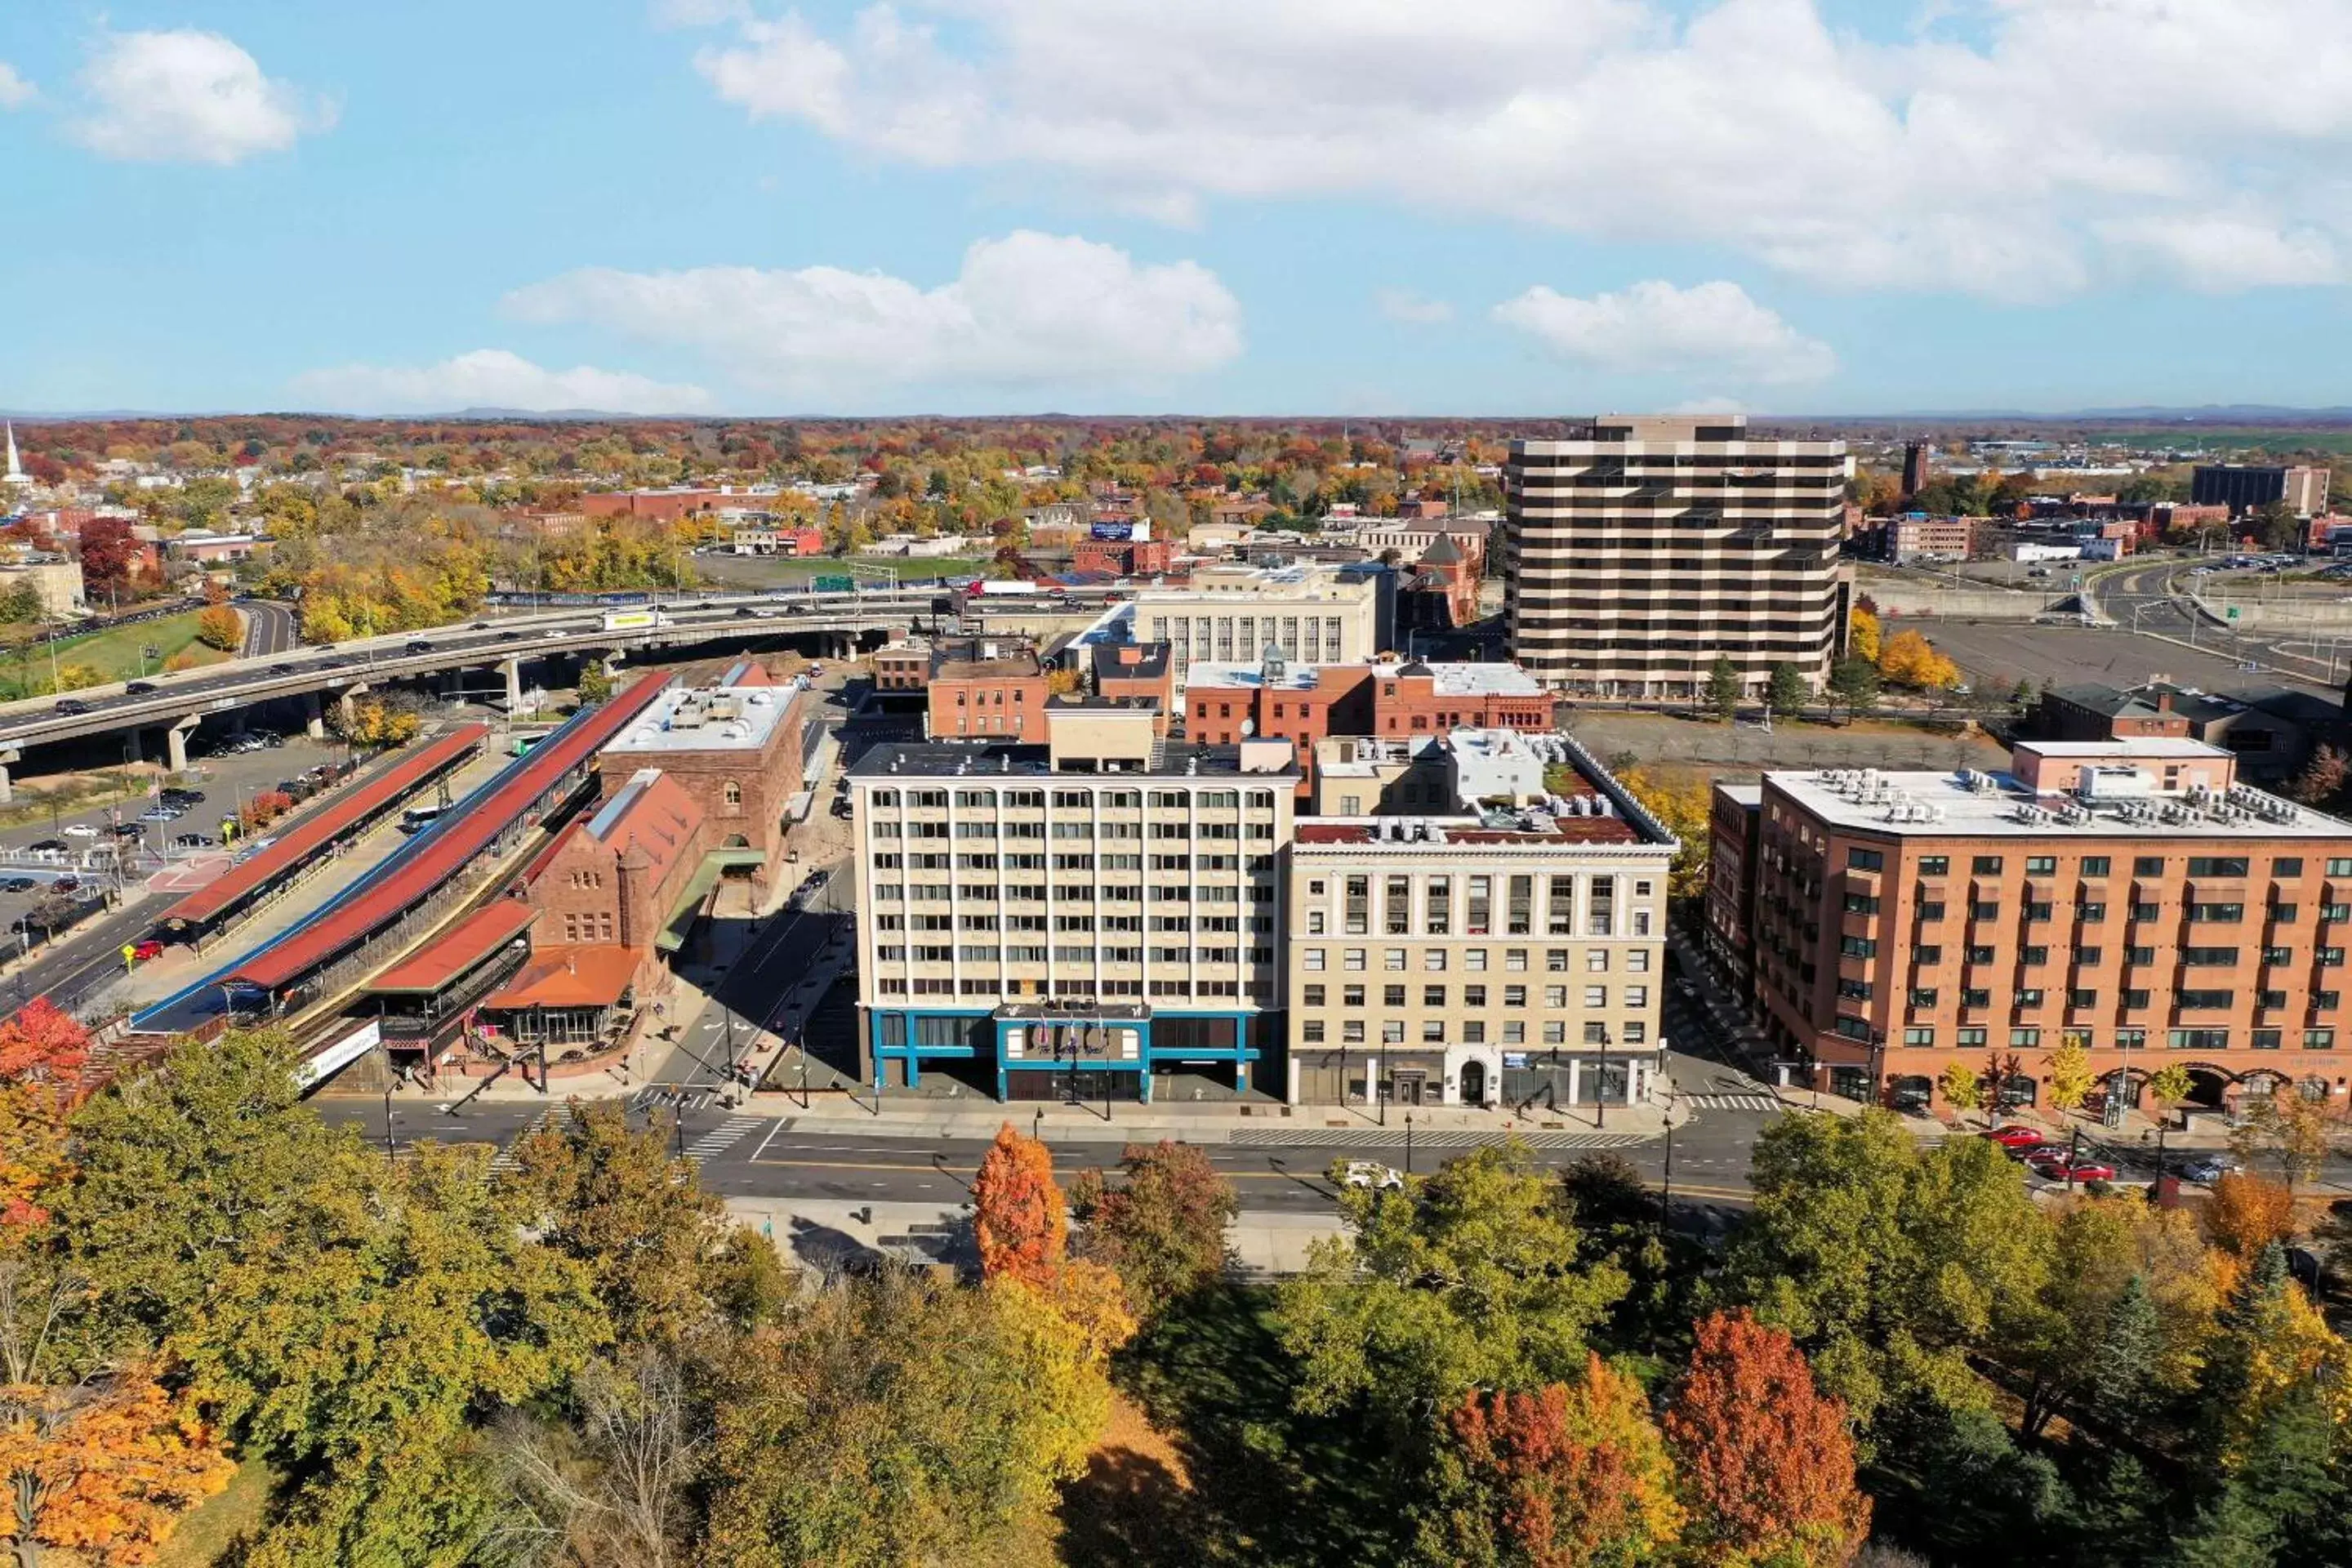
<point>1601,1089</point>
<point>1408,1142</point>
<point>1877,1067</point>
<point>1666,1197</point>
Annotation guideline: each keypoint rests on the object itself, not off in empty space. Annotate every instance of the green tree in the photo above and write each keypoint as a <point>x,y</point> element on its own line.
<point>1787,691</point>
<point>2124,1363</point>
<point>1854,683</point>
<point>357,1353</point>
<point>886,1421</point>
<point>595,682</point>
<point>659,1249</point>
<point>188,1169</point>
<point>21,604</point>
<point>1963,1089</point>
<point>1467,1279</point>
<point>1888,1264</point>
<point>2071,1079</point>
<point>1723,688</point>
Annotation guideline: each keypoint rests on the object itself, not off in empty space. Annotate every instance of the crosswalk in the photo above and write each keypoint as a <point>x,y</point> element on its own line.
<point>1730,1102</point>
<point>504,1160</point>
<point>724,1136</point>
<point>1394,1138</point>
<point>672,1097</point>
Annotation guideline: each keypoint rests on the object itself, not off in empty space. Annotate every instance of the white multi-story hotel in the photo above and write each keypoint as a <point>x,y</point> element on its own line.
<point>1642,549</point>
<point>1091,908</point>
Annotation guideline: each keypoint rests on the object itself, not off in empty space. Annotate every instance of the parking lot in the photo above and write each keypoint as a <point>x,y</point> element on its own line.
<point>2060,656</point>
<point>225,781</point>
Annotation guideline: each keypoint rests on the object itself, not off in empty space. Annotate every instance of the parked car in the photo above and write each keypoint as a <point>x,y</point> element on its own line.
<point>144,950</point>
<point>174,796</point>
<point>193,841</point>
<point>1369,1174</point>
<point>2017,1136</point>
<point>2057,1165</point>
<point>19,885</point>
<point>2206,1169</point>
<point>159,814</point>
<point>81,830</point>
<point>127,830</point>
<point>46,846</point>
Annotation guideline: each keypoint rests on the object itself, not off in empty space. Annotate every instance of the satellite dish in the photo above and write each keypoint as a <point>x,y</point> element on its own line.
<point>1249,727</point>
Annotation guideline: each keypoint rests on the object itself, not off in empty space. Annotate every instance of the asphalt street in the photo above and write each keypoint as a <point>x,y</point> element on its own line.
<point>269,628</point>
<point>761,1154</point>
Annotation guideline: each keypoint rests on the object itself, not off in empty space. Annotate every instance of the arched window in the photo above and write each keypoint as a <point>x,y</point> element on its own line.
<point>733,793</point>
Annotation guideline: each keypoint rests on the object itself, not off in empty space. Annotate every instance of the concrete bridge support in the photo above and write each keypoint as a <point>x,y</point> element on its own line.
<point>8,755</point>
<point>177,739</point>
<point>512,668</point>
<point>314,716</point>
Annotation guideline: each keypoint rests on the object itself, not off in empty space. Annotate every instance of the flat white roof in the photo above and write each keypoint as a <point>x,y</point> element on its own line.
<point>1450,679</point>
<point>1942,805</point>
<point>707,718</point>
<point>2128,746</point>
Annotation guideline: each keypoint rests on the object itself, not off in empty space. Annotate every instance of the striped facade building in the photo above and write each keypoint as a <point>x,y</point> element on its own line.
<point>1642,548</point>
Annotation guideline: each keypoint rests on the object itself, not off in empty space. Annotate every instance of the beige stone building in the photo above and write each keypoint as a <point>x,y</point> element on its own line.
<point>1513,957</point>
<point>1229,613</point>
<point>1645,548</point>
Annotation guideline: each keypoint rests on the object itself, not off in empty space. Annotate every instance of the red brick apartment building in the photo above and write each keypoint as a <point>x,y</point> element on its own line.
<point>987,686</point>
<point>615,879</point>
<point>1276,700</point>
<point>2130,897</point>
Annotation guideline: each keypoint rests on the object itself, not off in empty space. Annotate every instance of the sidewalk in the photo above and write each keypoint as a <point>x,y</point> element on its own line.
<point>829,1235</point>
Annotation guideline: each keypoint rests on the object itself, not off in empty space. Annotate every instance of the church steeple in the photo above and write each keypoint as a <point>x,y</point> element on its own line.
<point>15,474</point>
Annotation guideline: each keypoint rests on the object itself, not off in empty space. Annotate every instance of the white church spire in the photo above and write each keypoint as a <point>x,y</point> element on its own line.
<point>15,474</point>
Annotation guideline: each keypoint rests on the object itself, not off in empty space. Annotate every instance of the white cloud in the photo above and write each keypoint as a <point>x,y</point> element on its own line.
<point>14,90</point>
<point>1988,150</point>
<point>1405,305</point>
<point>1711,328</point>
<point>188,97</point>
<point>1028,311</point>
<point>493,378</point>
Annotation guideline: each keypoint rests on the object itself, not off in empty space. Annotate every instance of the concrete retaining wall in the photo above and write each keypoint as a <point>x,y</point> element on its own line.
<point>1923,602</point>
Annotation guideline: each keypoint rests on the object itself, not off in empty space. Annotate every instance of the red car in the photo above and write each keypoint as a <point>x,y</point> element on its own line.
<point>146,949</point>
<point>2017,1138</point>
<point>2058,1166</point>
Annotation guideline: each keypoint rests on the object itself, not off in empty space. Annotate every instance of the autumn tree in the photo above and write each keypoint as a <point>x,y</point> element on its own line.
<point>2324,777</point>
<point>221,627</point>
<point>1963,1091</point>
<point>2168,1085</point>
<point>1017,1211</point>
<point>2248,1212</point>
<point>1766,1459</point>
<point>1570,1474</point>
<point>1909,660</point>
<point>42,1043</point>
<point>595,684</point>
<point>1684,809</point>
<point>1863,636</point>
<point>105,1467</point>
<point>2071,1079</point>
<point>1162,1228</point>
<point>2294,1132</point>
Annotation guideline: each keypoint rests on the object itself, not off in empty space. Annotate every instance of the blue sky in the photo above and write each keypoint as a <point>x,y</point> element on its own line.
<point>1250,206</point>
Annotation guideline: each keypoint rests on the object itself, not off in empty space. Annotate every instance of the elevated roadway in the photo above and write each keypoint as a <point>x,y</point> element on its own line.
<point>177,703</point>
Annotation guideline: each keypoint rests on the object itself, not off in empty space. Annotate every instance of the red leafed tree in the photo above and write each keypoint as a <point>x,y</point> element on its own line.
<point>42,1044</point>
<point>108,551</point>
<point>1563,1476</point>
<point>1766,1461</point>
<point>1017,1212</point>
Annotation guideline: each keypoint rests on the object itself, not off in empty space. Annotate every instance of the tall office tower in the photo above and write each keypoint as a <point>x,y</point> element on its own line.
<point>1642,548</point>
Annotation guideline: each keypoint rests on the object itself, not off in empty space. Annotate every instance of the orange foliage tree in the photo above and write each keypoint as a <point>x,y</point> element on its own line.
<point>105,1469</point>
<point>1563,1476</point>
<point>41,1043</point>
<point>1018,1216</point>
<point>2247,1214</point>
<point>1766,1461</point>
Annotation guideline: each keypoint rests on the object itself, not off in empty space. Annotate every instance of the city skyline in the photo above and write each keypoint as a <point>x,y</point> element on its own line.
<point>702,207</point>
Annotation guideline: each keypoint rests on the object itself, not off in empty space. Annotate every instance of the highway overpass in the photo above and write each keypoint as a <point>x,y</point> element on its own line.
<point>177,703</point>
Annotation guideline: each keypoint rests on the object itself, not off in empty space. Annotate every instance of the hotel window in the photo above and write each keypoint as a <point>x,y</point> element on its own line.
<point>1596,995</point>
<point>1919,1036</point>
<point>1351,996</point>
<point>2024,1038</point>
<point>1596,960</point>
<point>1474,958</point>
<point>1314,958</point>
<point>1433,995</point>
<point>1481,906</point>
<point>1392,996</point>
<point>1473,1033</point>
<point>1986,866</point>
<point>1555,995</point>
<point>1434,960</point>
<point>1440,912</point>
<point>2095,865</point>
<point>1359,905</point>
<point>2131,1039</point>
<point>1971,1036</point>
<point>2319,1039</point>
<point>1392,958</point>
<point>1522,905</point>
<point>1397,912</point>
<point>1352,959</point>
<point>1560,912</point>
